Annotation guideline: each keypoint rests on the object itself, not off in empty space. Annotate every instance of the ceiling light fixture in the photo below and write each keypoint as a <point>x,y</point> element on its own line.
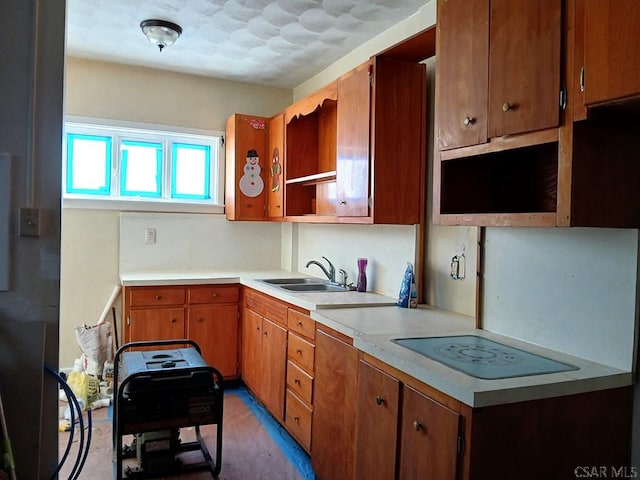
<point>161,32</point>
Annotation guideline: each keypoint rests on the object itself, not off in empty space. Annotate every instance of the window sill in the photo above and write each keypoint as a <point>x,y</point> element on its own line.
<point>141,205</point>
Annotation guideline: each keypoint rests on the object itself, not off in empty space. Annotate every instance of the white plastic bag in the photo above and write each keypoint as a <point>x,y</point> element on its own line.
<point>95,344</point>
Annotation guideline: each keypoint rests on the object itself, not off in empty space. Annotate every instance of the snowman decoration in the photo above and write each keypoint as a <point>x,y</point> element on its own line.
<point>251,183</point>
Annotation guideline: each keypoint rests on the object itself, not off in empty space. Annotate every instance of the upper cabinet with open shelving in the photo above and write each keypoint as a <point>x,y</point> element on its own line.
<point>352,152</point>
<point>509,147</point>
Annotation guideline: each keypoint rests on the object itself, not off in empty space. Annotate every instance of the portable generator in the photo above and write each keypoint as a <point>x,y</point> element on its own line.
<point>156,393</point>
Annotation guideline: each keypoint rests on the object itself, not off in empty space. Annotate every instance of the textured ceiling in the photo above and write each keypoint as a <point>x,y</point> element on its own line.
<point>279,43</point>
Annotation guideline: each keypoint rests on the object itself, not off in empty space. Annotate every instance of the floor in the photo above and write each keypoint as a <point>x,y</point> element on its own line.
<point>254,446</point>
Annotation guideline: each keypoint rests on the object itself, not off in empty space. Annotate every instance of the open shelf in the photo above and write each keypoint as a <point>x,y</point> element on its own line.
<point>520,183</point>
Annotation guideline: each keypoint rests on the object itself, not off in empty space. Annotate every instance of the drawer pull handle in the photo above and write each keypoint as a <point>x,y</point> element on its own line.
<point>296,419</point>
<point>417,426</point>
<point>174,320</point>
<point>158,297</point>
<point>296,381</point>
<point>379,400</point>
<point>299,324</point>
<point>298,351</point>
<point>506,106</point>
<point>468,121</point>
<point>265,334</point>
<point>214,295</point>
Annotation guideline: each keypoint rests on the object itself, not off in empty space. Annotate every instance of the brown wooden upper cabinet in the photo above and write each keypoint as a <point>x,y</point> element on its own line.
<point>247,170</point>
<point>381,133</point>
<point>275,167</point>
<point>352,152</point>
<point>611,69</point>
<point>498,69</point>
<point>310,154</point>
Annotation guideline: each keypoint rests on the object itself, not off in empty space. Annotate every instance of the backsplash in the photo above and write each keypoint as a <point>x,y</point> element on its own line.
<point>572,290</point>
<point>196,242</point>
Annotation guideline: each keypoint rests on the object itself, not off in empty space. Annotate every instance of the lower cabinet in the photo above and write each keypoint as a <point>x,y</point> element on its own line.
<point>206,314</point>
<point>300,376</point>
<point>264,350</point>
<point>417,434</point>
<point>334,406</point>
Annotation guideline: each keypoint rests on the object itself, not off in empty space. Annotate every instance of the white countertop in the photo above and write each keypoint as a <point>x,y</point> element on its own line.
<point>309,301</point>
<point>372,330</point>
<point>378,320</point>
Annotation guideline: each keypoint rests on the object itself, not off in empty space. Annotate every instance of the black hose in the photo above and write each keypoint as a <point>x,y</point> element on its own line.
<point>86,450</point>
<point>74,407</point>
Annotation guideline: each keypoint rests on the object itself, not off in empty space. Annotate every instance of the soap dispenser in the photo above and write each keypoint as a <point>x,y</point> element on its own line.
<point>361,284</point>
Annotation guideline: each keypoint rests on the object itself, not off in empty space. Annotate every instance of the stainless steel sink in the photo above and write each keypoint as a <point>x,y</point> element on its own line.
<point>290,281</point>
<point>315,287</point>
<point>305,284</point>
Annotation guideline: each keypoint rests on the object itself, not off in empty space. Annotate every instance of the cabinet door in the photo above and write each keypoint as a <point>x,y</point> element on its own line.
<point>156,324</point>
<point>273,367</point>
<point>524,66</point>
<point>429,438</point>
<point>215,329</point>
<point>612,35</point>
<point>462,52</point>
<point>352,164</point>
<point>334,408</point>
<point>251,348</point>
<point>275,167</point>
<point>245,185</point>
<point>377,431</point>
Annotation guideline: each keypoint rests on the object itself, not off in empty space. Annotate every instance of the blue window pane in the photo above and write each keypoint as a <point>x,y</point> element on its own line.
<point>141,165</point>
<point>190,171</point>
<point>88,164</point>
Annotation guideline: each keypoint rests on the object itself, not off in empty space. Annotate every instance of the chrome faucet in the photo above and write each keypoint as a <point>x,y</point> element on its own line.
<point>331,273</point>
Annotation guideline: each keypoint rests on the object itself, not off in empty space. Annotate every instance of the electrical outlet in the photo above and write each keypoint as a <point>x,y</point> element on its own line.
<point>29,222</point>
<point>149,236</point>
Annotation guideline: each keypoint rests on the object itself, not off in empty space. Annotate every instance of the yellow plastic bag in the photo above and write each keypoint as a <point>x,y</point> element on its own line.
<point>85,387</point>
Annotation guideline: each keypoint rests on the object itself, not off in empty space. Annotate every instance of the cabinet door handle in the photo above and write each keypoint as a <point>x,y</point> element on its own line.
<point>258,328</point>
<point>174,320</point>
<point>214,295</point>
<point>298,351</point>
<point>296,381</point>
<point>265,334</point>
<point>468,121</point>
<point>379,400</point>
<point>158,297</point>
<point>296,419</point>
<point>506,106</point>
<point>299,324</point>
<point>417,426</point>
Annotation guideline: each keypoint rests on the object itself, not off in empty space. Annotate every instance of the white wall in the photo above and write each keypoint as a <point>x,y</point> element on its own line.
<point>139,94</point>
<point>388,248</point>
<point>572,290</point>
<point>197,242</point>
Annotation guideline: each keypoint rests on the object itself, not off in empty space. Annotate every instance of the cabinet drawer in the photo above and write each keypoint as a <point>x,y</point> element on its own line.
<point>214,294</point>
<point>301,323</point>
<point>298,420</point>
<point>299,382</point>
<point>265,306</point>
<point>145,297</point>
<point>301,352</point>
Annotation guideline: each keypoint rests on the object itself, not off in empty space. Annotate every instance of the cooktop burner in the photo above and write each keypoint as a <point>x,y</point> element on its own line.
<point>481,357</point>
